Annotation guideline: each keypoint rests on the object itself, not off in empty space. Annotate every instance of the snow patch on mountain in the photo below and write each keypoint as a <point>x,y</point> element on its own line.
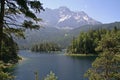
<point>86,18</point>
<point>64,18</point>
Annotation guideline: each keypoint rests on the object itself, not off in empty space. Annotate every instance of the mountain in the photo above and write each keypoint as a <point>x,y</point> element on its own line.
<point>60,36</point>
<point>84,28</point>
<point>64,18</point>
<point>48,34</point>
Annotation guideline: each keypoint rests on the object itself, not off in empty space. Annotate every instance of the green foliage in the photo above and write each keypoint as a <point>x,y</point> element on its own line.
<point>9,50</point>
<point>62,37</point>
<point>50,76</point>
<point>107,65</point>
<point>4,75</point>
<point>10,27</point>
<point>30,25</point>
<point>46,47</point>
<point>86,42</point>
<point>24,7</point>
<point>36,76</point>
<point>36,5</point>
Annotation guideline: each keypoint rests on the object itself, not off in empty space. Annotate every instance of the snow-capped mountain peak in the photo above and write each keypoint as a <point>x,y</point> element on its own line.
<point>63,17</point>
<point>86,18</point>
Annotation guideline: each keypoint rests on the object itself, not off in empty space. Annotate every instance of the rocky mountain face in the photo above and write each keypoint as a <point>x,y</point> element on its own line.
<point>64,18</point>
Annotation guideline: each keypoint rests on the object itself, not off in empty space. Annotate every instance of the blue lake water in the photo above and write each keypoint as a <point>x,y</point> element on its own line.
<point>64,67</point>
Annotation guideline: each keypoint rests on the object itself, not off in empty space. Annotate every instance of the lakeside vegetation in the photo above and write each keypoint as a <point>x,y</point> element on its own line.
<point>61,37</point>
<point>50,76</point>
<point>87,42</point>
<point>10,28</point>
<point>81,55</point>
<point>46,47</point>
<point>106,66</point>
<point>104,43</point>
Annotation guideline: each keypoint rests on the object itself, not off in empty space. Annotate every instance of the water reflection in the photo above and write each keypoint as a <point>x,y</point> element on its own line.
<point>65,67</point>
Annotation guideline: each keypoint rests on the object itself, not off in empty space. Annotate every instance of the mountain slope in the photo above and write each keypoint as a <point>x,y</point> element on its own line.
<point>60,36</point>
<point>64,18</point>
<point>108,26</point>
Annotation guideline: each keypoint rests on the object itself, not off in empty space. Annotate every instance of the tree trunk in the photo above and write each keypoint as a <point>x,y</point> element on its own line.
<point>2,8</point>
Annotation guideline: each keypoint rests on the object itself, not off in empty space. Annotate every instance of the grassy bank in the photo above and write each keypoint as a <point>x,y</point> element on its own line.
<point>80,54</point>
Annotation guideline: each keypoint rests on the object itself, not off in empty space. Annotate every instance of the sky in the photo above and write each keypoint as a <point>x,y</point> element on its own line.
<point>105,11</point>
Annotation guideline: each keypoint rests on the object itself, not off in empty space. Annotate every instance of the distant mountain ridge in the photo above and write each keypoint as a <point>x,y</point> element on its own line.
<point>64,18</point>
<point>60,36</point>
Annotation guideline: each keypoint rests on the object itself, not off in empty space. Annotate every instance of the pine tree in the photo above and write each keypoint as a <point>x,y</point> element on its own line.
<point>9,12</point>
<point>107,65</point>
<point>4,75</point>
<point>51,76</point>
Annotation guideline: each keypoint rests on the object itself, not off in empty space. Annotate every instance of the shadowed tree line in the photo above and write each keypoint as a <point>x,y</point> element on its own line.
<point>46,47</point>
<point>107,64</point>
<point>86,42</point>
<point>10,11</point>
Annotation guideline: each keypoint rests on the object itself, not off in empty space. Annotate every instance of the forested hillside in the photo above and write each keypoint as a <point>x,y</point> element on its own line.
<point>60,36</point>
<point>46,47</point>
<point>87,42</point>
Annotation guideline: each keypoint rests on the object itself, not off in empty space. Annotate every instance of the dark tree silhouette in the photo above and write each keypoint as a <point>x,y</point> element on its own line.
<point>9,12</point>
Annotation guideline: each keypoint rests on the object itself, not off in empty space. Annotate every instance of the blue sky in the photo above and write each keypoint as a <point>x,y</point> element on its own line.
<point>105,11</point>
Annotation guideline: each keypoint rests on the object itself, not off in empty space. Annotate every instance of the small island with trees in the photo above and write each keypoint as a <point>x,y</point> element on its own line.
<point>46,47</point>
<point>102,42</point>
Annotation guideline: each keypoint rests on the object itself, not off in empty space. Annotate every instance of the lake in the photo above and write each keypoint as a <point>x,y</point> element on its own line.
<point>64,67</point>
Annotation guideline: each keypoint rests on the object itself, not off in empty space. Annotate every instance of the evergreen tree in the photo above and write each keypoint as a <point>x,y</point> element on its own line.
<point>51,76</point>
<point>84,43</point>
<point>10,10</point>
<point>46,47</point>
<point>4,75</point>
<point>107,65</point>
<point>9,50</point>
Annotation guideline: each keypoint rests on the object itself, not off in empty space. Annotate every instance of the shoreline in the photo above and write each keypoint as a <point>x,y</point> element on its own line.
<point>21,59</point>
<point>84,55</point>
